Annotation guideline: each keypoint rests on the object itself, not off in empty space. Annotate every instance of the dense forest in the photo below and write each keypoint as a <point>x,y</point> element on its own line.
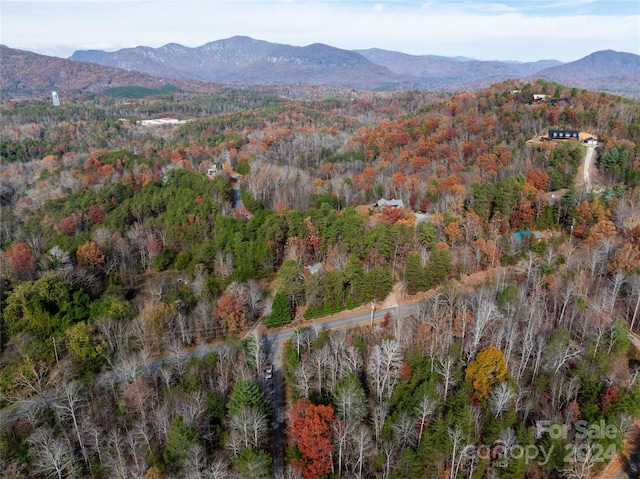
<point>144,270</point>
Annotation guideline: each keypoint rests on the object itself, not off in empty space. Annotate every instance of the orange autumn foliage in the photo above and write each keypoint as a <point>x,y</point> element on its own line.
<point>487,369</point>
<point>311,431</point>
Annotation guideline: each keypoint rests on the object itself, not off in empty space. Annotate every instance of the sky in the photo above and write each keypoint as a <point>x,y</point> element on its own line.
<point>507,30</point>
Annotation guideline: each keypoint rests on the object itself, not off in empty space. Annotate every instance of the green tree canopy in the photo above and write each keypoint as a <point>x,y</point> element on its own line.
<point>281,313</point>
<point>45,307</point>
<point>246,394</point>
<point>253,463</point>
<point>180,438</point>
<point>289,278</point>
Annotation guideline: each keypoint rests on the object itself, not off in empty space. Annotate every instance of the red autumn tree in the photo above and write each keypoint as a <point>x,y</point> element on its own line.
<point>22,261</point>
<point>522,214</point>
<point>96,214</point>
<point>538,178</point>
<point>311,431</point>
<point>634,235</point>
<point>608,397</point>
<point>68,225</point>
<point>391,214</point>
<point>231,313</point>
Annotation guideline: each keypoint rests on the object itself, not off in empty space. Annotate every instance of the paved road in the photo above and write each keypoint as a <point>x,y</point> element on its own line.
<point>351,320</point>
<point>274,342</point>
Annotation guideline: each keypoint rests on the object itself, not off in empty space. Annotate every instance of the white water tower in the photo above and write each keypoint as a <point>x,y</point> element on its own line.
<point>56,99</point>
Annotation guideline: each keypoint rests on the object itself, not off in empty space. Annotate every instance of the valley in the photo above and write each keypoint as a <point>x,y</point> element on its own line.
<point>311,281</point>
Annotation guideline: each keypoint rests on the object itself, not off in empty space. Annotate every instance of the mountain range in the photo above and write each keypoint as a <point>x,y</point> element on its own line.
<point>245,61</point>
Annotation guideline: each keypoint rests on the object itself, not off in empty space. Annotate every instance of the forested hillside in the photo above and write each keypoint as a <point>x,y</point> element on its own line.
<point>138,287</point>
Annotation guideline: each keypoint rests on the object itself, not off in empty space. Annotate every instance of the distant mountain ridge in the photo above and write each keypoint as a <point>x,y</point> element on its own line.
<point>27,71</point>
<point>606,70</point>
<point>450,70</point>
<point>245,61</point>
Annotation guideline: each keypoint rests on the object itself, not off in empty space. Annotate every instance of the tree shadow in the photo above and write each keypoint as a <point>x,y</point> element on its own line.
<point>631,464</point>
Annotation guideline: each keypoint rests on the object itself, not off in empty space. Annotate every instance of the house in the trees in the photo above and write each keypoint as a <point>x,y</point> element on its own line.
<point>212,172</point>
<point>519,238</point>
<point>312,270</point>
<point>564,135</point>
<point>162,122</point>
<point>421,217</point>
<point>591,141</point>
<point>395,203</point>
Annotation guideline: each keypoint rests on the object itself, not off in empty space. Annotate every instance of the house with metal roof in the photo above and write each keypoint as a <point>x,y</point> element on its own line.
<point>395,203</point>
<point>519,237</point>
<point>311,270</point>
<point>564,134</point>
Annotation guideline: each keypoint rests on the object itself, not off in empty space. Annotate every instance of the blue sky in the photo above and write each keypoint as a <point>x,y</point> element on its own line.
<point>564,30</point>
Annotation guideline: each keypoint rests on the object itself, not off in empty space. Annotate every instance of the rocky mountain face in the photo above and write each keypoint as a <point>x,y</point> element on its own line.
<point>245,61</point>
<point>242,60</point>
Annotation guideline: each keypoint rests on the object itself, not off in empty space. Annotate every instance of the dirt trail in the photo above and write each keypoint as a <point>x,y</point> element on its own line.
<point>627,465</point>
<point>465,284</point>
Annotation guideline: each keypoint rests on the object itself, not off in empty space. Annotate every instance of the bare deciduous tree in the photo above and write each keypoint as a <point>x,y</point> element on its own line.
<point>194,462</point>
<point>384,367</point>
<point>585,458</point>
<point>634,287</point>
<point>53,456</point>
<point>342,431</point>
<point>255,349</point>
<point>36,381</point>
<point>218,469</point>
<point>351,360</point>
<point>485,311</point>
<point>404,428</point>
<point>617,281</point>
<point>363,448</point>
<point>302,376</point>
<point>425,408</point>
<point>69,407</point>
<point>320,359</point>
<point>250,424</point>
<point>500,398</point>
<point>255,298</point>
<point>379,413</point>
<point>458,443</point>
<point>446,368</point>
